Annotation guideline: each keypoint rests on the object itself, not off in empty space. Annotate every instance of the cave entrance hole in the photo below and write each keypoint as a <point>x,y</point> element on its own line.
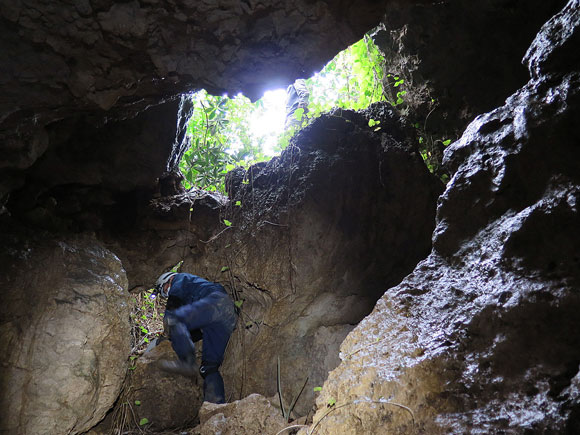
<point>224,132</point>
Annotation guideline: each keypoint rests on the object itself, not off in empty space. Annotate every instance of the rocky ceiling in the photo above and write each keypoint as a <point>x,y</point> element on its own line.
<point>80,79</point>
<point>110,59</point>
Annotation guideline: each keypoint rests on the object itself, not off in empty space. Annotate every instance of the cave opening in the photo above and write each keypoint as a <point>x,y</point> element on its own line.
<point>225,132</point>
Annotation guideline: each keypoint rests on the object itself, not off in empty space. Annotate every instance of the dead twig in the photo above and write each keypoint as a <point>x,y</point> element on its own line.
<point>295,426</point>
<point>365,347</point>
<point>279,388</point>
<point>358,402</point>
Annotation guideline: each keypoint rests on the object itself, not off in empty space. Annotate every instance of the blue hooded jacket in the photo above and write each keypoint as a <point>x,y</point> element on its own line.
<point>187,288</point>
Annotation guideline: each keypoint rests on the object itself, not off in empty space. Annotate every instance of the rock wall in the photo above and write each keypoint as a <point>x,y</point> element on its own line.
<point>483,335</point>
<point>64,329</point>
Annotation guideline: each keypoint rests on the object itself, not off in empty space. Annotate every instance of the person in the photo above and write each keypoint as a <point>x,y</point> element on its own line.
<point>196,309</point>
<point>297,97</point>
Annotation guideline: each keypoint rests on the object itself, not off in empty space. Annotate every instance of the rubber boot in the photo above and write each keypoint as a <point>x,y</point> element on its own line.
<point>213,388</point>
<point>186,368</point>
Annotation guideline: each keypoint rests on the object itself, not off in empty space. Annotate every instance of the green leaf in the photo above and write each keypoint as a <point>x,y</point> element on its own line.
<point>238,203</point>
<point>299,113</point>
<point>227,222</point>
<point>316,389</point>
<point>239,303</point>
<point>132,367</point>
<point>143,421</point>
<point>225,269</point>
<point>331,402</point>
<point>138,402</point>
<point>446,142</point>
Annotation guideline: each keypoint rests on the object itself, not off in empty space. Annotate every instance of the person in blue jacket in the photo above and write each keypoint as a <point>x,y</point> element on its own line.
<point>196,309</point>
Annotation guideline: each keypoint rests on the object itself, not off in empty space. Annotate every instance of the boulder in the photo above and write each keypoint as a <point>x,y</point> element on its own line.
<point>64,333</point>
<point>165,400</point>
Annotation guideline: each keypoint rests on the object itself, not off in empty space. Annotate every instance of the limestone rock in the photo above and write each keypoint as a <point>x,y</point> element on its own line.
<point>64,334</point>
<point>165,399</point>
<point>249,416</point>
<point>483,336</point>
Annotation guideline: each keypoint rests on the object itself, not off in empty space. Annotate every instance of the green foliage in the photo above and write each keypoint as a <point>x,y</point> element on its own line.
<point>146,320</point>
<point>143,421</point>
<point>352,80</point>
<point>221,139</point>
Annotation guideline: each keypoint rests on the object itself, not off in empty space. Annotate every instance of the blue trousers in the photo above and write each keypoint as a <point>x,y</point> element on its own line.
<point>215,316</point>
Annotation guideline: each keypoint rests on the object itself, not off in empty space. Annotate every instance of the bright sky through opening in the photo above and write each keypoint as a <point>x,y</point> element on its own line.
<point>269,123</point>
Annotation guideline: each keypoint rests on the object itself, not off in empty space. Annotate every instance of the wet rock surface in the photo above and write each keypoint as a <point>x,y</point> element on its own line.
<point>64,327</point>
<point>483,335</point>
